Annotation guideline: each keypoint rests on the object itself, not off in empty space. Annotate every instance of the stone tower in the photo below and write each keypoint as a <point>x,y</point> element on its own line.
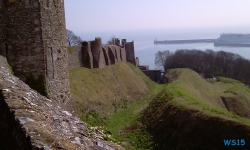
<point>130,52</point>
<point>137,62</point>
<point>33,39</point>
<point>98,56</point>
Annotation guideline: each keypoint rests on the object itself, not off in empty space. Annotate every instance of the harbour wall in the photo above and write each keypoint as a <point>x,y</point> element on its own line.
<point>231,44</point>
<point>216,43</point>
<point>185,41</point>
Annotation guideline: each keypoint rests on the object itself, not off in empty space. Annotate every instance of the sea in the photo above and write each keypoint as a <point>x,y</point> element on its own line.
<point>145,49</point>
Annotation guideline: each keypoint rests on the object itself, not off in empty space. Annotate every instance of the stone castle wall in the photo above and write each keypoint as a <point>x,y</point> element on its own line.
<point>130,53</point>
<point>96,50</point>
<point>123,54</point>
<point>76,57</point>
<point>154,75</point>
<point>87,57</point>
<point>34,43</point>
<point>54,40</point>
<point>21,37</point>
<point>95,55</point>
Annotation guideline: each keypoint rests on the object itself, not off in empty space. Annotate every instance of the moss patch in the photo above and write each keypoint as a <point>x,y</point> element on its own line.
<point>37,84</point>
<point>10,68</point>
<point>70,49</point>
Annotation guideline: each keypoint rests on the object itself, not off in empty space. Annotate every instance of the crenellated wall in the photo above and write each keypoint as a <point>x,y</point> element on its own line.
<point>95,55</point>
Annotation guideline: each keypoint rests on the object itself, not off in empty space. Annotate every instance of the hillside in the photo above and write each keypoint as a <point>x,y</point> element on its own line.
<point>189,112</point>
<point>32,121</point>
<point>196,113</point>
<point>113,98</point>
<point>104,91</point>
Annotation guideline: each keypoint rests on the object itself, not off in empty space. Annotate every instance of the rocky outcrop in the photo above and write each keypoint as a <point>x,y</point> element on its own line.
<point>31,121</point>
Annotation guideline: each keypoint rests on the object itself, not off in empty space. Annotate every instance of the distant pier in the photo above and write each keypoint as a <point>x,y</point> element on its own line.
<point>232,44</point>
<point>229,40</point>
<point>185,41</point>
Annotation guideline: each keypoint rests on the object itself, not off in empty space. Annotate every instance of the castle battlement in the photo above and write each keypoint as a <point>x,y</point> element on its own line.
<point>93,54</point>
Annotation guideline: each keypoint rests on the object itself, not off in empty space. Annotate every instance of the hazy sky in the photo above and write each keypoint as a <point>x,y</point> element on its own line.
<point>122,15</point>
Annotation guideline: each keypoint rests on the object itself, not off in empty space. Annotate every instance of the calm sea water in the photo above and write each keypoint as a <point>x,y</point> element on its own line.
<point>145,48</point>
<point>146,51</point>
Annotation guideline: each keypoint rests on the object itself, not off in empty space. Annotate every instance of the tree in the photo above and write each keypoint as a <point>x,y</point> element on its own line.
<point>161,57</point>
<point>210,63</point>
<point>72,39</point>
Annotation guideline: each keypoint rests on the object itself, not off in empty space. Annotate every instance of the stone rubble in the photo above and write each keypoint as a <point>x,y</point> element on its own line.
<point>31,121</point>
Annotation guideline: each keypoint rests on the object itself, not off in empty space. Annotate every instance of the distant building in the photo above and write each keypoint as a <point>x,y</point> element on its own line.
<point>238,40</point>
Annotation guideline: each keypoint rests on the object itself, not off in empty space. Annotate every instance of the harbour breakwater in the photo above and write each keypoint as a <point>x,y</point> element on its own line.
<point>231,44</point>
<point>185,41</point>
<point>215,41</point>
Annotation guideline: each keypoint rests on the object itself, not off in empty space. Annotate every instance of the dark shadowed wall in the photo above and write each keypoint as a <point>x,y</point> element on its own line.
<point>154,75</point>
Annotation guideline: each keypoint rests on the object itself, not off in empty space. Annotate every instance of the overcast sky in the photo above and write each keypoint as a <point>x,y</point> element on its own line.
<point>122,15</point>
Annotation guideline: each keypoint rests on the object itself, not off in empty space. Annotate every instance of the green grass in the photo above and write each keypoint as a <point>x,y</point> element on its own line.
<point>191,110</point>
<point>127,116</point>
<point>139,139</point>
<point>116,96</point>
<point>70,49</point>
<point>227,80</point>
<point>113,98</point>
<point>128,119</point>
<point>181,98</point>
<point>108,89</point>
<point>189,90</point>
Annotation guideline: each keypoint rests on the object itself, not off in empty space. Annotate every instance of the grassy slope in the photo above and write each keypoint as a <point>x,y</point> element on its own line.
<point>189,109</point>
<point>125,124</point>
<point>120,88</point>
<point>218,96</point>
<point>104,91</point>
<point>190,113</point>
<point>106,88</point>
